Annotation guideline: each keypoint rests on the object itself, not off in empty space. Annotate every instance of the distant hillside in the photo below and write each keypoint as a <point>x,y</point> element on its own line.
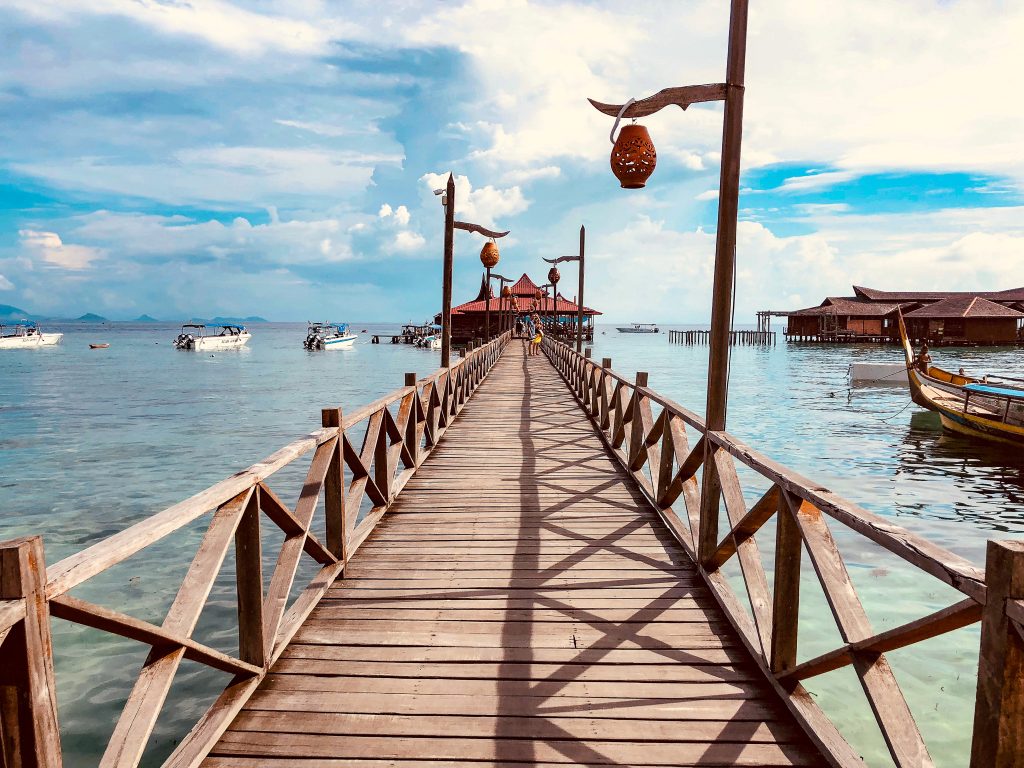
<point>229,320</point>
<point>90,317</point>
<point>145,319</point>
<point>10,314</point>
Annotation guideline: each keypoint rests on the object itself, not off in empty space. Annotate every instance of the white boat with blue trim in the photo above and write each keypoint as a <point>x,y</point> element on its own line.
<point>199,336</point>
<point>27,335</point>
<point>329,336</point>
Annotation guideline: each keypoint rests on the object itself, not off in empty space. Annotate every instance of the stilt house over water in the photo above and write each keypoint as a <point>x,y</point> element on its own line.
<point>469,319</point>
<point>934,317</point>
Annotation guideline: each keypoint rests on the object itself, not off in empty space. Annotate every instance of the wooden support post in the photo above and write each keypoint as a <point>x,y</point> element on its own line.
<point>725,267</point>
<point>786,597</point>
<point>579,305</point>
<point>588,352</point>
<point>449,260</point>
<point>999,706</point>
<point>29,693</point>
<point>334,491</point>
<point>487,305</point>
<point>249,585</point>
<point>606,362</point>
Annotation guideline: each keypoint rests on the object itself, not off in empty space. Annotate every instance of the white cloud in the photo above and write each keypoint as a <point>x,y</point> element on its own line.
<point>225,175</point>
<point>709,194</point>
<point>408,241</point>
<point>49,247</point>
<point>872,85</point>
<point>400,215</point>
<point>812,182</point>
<point>484,205</point>
<point>385,211</point>
<point>220,24</point>
<point>5,284</point>
<point>320,129</point>
<point>526,175</point>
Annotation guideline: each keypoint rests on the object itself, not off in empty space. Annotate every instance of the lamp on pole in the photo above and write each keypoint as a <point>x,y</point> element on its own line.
<point>633,159</point>
<point>579,306</point>
<point>554,277</point>
<point>450,225</point>
<point>544,300</point>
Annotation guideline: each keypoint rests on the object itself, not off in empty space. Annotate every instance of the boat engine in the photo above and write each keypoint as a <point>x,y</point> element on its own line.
<point>184,341</point>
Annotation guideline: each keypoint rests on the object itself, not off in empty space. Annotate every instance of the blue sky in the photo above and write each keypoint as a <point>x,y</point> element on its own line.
<point>277,158</point>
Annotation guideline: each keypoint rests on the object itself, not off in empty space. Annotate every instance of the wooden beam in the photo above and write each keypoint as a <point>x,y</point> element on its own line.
<point>681,97</point>
<point>759,514</point>
<point>998,740</point>
<point>28,658</point>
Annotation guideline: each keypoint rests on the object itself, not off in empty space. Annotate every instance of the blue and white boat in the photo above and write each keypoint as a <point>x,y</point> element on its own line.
<point>329,336</point>
<point>27,334</point>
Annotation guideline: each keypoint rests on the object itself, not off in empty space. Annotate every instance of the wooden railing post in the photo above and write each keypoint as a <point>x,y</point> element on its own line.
<point>28,695</point>
<point>786,594</point>
<point>249,584</point>
<point>999,706</point>
<point>334,490</point>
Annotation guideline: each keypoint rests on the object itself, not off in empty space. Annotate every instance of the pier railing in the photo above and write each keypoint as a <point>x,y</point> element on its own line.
<point>401,430</point>
<point>665,447</point>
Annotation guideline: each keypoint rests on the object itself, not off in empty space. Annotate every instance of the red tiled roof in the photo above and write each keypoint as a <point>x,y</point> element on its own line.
<point>524,286</point>
<point>1012,294</point>
<point>849,305</point>
<point>564,307</point>
<point>964,306</point>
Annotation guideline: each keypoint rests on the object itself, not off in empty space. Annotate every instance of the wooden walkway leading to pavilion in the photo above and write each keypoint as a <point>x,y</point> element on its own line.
<point>519,604</point>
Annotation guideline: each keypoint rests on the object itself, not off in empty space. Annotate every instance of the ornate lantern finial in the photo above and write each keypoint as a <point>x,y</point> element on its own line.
<point>553,275</point>
<point>489,254</point>
<point>633,157</point>
<point>505,291</point>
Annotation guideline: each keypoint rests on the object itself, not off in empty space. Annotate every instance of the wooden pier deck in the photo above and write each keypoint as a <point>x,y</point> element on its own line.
<point>519,604</point>
<point>520,561</point>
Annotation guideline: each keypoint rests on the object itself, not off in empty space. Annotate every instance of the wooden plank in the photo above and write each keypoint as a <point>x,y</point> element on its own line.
<point>31,731</point>
<point>249,584</point>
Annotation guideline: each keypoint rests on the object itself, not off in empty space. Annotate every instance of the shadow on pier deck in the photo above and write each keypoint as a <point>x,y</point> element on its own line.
<point>520,603</point>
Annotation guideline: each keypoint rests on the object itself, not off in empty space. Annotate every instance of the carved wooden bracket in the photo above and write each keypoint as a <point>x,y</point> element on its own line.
<point>477,228</point>
<point>682,97</point>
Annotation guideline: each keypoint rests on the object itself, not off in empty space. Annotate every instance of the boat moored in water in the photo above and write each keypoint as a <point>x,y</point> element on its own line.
<point>329,336</point>
<point>196,336</point>
<point>639,328</point>
<point>27,335</point>
<point>964,404</point>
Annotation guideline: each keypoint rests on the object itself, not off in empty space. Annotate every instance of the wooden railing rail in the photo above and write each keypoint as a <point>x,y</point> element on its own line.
<point>647,433</point>
<point>393,447</point>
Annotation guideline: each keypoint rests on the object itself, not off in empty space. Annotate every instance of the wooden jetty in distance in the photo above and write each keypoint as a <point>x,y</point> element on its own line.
<point>764,338</point>
<point>513,568</point>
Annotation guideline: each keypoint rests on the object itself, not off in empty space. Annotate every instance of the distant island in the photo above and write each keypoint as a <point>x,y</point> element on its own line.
<point>9,314</point>
<point>145,319</point>
<point>90,317</point>
<point>229,320</point>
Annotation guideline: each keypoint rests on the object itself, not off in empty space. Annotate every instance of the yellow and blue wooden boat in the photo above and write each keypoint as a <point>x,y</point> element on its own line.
<point>965,405</point>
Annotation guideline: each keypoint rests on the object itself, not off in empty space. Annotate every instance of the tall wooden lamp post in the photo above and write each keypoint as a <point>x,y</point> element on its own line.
<point>633,160</point>
<point>579,298</point>
<point>502,282</point>
<point>450,225</point>
<point>544,301</point>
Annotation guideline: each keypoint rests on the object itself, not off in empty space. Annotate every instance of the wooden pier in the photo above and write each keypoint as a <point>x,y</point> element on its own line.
<point>513,569</point>
<point>751,338</point>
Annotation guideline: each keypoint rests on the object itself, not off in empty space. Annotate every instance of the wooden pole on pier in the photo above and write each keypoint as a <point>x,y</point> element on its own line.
<point>449,261</point>
<point>579,305</point>
<point>725,266</point>
<point>487,306</point>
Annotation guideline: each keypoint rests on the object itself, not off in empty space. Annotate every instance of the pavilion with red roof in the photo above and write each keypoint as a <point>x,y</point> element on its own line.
<point>559,316</point>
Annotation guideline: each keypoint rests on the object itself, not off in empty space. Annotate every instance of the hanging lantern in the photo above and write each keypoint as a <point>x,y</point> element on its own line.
<point>633,157</point>
<point>553,275</point>
<point>505,291</point>
<point>539,294</point>
<point>489,254</point>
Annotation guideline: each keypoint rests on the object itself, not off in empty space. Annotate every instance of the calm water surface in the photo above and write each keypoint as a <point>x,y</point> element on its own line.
<point>92,441</point>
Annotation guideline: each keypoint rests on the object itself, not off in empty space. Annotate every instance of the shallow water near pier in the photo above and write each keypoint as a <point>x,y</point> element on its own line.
<point>92,441</point>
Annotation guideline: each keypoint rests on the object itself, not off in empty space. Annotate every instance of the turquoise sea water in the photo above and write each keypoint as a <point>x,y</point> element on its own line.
<point>94,440</point>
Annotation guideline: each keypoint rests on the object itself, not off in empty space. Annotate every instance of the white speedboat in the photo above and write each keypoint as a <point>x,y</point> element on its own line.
<point>639,328</point>
<point>197,336</point>
<point>329,336</point>
<point>429,342</point>
<point>27,335</point>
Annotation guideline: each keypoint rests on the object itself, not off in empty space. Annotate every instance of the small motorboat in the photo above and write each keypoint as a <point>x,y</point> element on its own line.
<point>27,335</point>
<point>199,336</point>
<point>429,342</point>
<point>104,345</point>
<point>329,336</point>
<point>639,328</point>
<point>974,408</point>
